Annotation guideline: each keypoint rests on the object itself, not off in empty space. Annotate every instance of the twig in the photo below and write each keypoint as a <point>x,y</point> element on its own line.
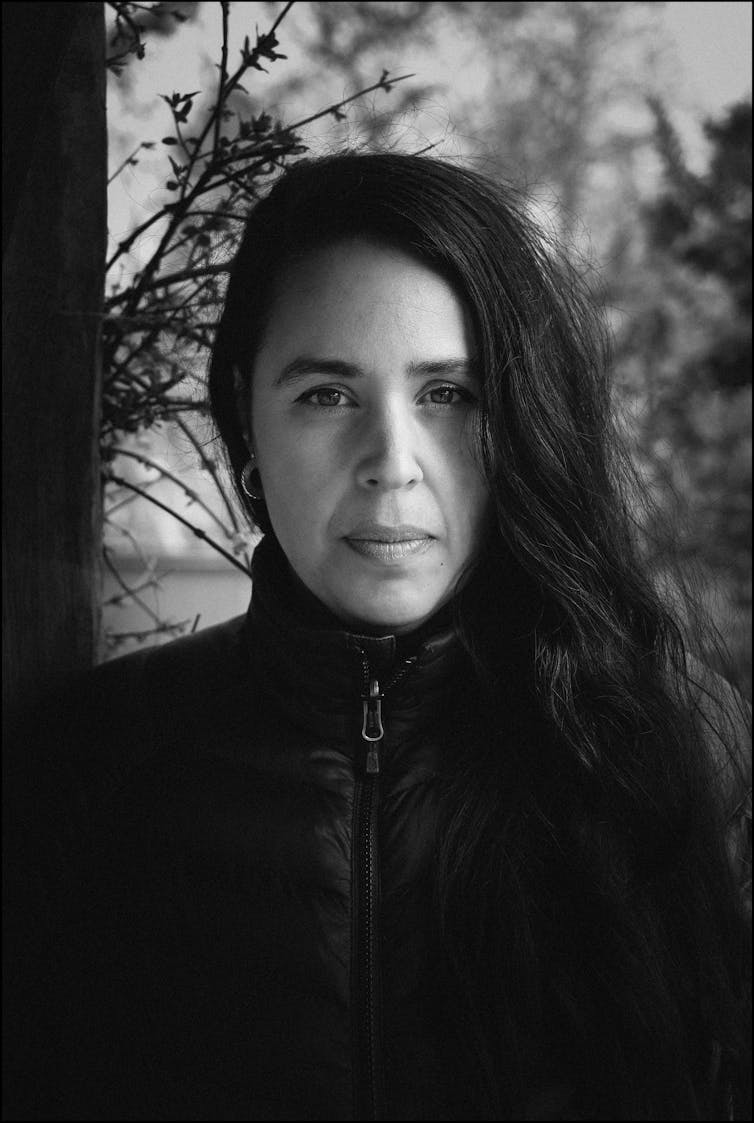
<point>125,501</point>
<point>176,214</point>
<point>210,466</point>
<point>117,598</point>
<point>383,84</point>
<point>197,531</point>
<point>125,164</point>
<point>114,638</point>
<point>173,279</point>
<point>127,589</point>
<point>118,450</point>
<point>221,95</point>
<point>281,17</point>
<point>145,561</point>
<point>124,247</point>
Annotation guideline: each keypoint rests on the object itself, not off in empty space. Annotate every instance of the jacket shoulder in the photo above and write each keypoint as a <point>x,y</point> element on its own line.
<point>189,657</point>
<point>149,707</point>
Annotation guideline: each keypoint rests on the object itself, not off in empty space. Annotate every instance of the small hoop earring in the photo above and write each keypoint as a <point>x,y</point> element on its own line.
<point>246,485</point>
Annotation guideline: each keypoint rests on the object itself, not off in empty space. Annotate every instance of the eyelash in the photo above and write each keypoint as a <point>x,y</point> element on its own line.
<point>465,396</point>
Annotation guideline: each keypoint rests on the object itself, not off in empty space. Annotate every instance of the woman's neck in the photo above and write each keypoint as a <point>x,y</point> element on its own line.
<point>315,613</point>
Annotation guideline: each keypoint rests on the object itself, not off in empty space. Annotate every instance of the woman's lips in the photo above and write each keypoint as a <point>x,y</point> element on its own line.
<point>379,550</point>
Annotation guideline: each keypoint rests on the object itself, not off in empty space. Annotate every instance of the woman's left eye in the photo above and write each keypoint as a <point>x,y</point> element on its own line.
<point>448,395</point>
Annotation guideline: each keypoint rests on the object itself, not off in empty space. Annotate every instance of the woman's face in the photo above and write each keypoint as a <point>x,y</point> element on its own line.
<point>363,405</point>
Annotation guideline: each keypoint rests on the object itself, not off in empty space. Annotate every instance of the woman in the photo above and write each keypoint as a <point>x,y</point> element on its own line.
<point>448,827</point>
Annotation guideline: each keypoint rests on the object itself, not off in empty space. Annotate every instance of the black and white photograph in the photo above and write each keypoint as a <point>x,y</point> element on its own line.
<point>377,664</point>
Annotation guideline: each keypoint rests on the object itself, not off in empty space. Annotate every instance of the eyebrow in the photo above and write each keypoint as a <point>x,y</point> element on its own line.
<point>305,365</point>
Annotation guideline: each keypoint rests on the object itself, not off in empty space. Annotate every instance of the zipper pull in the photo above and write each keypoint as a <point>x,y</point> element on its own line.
<point>371,729</point>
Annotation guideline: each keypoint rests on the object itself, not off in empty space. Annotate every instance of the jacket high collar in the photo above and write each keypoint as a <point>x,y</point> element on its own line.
<point>321,671</point>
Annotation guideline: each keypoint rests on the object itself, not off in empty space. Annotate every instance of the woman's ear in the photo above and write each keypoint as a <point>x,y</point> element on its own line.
<point>243,403</point>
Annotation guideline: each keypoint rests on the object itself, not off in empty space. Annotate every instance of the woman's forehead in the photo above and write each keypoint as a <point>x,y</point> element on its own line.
<point>355,301</point>
<point>366,278</point>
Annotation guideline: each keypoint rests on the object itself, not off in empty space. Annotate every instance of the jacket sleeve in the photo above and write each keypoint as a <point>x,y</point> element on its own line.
<point>70,756</point>
<point>83,763</point>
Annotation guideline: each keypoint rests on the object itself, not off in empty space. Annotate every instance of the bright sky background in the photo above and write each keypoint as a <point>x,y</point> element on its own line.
<point>713,44</point>
<point>713,41</point>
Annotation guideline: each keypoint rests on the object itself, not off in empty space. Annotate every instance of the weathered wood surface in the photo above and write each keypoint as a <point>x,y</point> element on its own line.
<point>54,239</point>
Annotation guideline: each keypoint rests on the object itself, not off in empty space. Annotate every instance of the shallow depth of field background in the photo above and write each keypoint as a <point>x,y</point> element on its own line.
<point>629,126</point>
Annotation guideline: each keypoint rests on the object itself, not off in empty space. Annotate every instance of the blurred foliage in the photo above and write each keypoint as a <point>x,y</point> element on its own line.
<point>704,222</point>
<point>540,92</point>
<point>570,100</point>
<point>683,366</point>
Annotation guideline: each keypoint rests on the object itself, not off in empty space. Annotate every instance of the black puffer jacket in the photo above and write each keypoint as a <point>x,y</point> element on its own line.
<point>254,897</point>
<point>245,929</point>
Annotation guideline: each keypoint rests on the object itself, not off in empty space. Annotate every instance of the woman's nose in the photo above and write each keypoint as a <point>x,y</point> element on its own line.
<point>389,453</point>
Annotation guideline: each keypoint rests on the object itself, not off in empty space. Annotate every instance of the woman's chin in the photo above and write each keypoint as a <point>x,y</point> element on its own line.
<point>397,617</point>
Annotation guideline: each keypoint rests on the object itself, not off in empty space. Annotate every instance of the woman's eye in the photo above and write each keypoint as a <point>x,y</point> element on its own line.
<point>326,397</point>
<point>448,395</point>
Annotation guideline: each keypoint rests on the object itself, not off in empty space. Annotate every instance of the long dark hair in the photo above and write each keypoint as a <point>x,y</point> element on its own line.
<point>587,918</point>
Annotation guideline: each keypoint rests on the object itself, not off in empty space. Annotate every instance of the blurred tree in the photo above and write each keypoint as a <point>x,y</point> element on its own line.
<point>549,94</point>
<point>565,95</point>
<point>683,359</point>
<point>704,222</point>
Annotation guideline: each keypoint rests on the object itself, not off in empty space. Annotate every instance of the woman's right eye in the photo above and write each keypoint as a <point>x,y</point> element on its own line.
<point>326,397</point>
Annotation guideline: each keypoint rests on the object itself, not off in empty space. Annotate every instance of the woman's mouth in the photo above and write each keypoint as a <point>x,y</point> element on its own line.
<point>388,551</point>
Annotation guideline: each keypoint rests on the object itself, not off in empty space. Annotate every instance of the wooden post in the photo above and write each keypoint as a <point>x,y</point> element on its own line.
<point>54,242</point>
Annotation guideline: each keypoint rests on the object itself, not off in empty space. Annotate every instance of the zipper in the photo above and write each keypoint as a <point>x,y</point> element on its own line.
<point>372,729</point>
<point>368,1090</point>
